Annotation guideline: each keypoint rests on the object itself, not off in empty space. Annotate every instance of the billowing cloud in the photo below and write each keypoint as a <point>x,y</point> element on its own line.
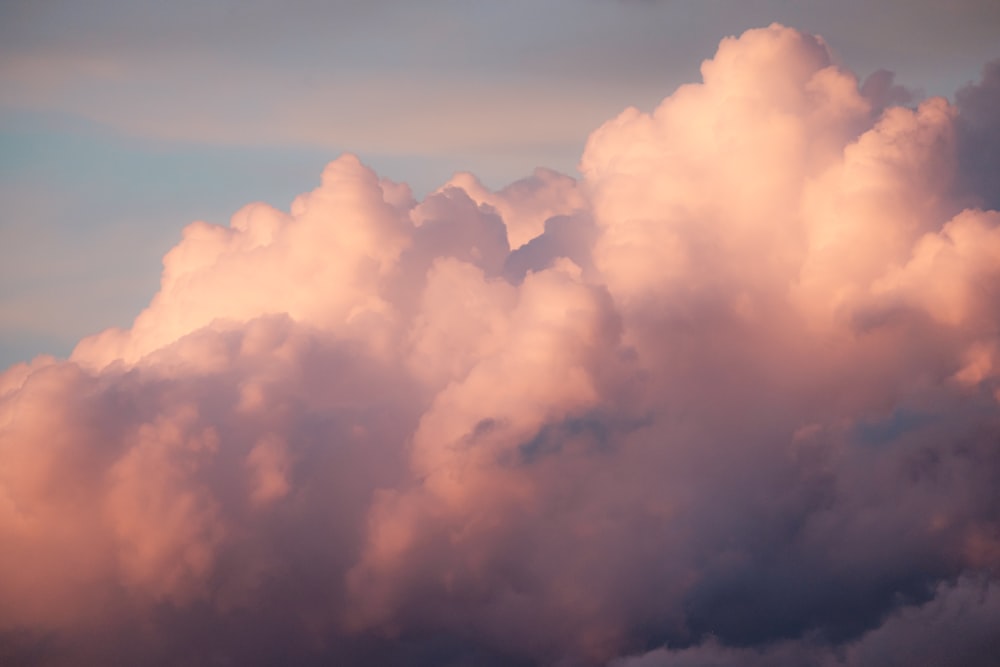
<point>730,398</point>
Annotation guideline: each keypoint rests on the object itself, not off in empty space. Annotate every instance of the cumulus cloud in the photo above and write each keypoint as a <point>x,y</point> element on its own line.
<point>730,398</point>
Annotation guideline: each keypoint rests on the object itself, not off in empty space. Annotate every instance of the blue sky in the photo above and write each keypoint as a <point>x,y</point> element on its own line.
<point>120,122</point>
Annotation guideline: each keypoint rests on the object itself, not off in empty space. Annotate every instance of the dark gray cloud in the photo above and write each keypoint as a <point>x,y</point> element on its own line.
<point>978,132</point>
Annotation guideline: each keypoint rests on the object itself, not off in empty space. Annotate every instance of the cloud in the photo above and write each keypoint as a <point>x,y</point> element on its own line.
<point>730,398</point>
<point>957,626</point>
<point>977,135</point>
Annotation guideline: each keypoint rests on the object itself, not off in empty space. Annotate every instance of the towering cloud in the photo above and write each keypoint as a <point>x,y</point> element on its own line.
<point>731,398</point>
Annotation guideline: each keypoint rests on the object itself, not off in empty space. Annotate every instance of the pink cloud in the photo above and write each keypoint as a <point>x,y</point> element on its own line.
<point>731,398</point>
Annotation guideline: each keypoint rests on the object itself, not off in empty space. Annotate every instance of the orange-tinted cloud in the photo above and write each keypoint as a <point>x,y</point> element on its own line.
<point>731,397</point>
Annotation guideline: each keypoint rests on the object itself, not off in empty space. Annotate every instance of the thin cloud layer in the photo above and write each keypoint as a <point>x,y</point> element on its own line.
<point>731,398</point>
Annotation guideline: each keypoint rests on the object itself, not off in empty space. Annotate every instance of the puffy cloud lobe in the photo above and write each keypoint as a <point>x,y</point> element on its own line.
<point>732,398</point>
<point>526,204</point>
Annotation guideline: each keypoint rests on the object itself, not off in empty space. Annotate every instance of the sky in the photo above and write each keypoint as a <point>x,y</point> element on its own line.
<point>121,122</point>
<point>574,334</point>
